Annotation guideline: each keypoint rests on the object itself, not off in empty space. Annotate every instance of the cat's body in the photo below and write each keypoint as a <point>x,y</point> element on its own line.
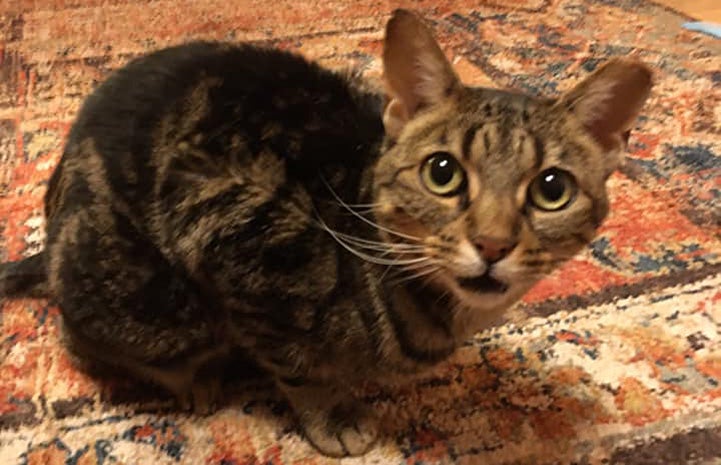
<point>200,208</point>
<point>209,199</point>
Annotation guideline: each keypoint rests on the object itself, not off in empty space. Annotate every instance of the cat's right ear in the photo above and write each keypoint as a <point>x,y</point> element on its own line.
<point>417,73</point>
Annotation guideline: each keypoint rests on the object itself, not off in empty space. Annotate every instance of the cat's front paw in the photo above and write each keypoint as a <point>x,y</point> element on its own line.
<point>348,429</point>
<point>203,397</point>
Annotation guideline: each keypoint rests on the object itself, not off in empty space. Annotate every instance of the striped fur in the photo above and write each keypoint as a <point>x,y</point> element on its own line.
<point>214,198</point>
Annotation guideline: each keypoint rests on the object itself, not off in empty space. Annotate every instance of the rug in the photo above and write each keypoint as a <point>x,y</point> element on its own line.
<point>615,359</point>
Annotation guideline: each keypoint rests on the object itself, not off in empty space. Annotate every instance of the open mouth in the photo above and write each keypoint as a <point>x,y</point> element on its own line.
<point>483,283</point>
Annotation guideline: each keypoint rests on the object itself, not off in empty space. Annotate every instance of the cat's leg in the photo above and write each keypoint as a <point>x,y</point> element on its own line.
<point>124,306</point>
<point>332,420</point>
<point>206,391</point>
<point>195,382</point>
<point>196,389</point>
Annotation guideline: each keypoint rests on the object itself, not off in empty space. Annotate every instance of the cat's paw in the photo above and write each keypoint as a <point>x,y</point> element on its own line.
<point>346,430</point>
<point>203,398</point>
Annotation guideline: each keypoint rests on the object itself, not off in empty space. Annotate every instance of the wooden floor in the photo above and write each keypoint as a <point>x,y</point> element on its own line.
<point>702,10</point>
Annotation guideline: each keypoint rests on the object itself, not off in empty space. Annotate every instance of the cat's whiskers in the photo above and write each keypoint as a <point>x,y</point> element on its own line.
<point>405,268</point>
<point>393,245</point>
<point>367,257</point>
<point>361,208</point>
<point>385,248</point>
<point>363,205</point>
<point>435,254</point>
<point>423,271</point>
<point>356,206</point>
<point>359,211</point>
<point>366,220</point>
<point>378,260</point>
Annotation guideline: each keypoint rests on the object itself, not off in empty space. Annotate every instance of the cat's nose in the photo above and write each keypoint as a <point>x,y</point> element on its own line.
<point>494,249</point>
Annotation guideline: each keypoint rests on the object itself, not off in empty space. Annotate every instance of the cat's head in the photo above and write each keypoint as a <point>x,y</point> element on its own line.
<point>497,187</point>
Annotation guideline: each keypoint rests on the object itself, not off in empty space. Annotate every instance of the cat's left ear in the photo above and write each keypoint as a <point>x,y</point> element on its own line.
<point>608,102</point>
<point>416,71</point>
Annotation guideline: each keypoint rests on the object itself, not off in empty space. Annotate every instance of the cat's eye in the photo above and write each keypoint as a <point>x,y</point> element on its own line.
<point>443,175</point>
<point>552,190</point>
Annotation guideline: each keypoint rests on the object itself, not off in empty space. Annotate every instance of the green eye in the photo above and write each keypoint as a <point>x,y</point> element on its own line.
<point>552,190</point>
<point>443,175</point>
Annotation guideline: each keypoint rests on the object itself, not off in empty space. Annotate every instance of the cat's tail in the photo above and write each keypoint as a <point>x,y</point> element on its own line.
<point>24,278</point>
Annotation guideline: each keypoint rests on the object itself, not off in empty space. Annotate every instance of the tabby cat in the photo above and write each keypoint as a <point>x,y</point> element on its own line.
<point>214,198</point>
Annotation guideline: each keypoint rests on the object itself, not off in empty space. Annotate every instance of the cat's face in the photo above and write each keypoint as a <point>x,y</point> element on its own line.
<point>498,188</point>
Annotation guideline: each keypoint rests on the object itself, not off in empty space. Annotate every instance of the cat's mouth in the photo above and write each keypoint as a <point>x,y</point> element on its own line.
<point>484,283</point>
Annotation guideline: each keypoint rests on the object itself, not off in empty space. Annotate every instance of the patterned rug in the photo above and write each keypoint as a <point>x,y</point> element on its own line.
<point>615,359</point>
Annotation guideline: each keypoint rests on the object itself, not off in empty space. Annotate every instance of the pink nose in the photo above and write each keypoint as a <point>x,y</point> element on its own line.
<point>493,249</point>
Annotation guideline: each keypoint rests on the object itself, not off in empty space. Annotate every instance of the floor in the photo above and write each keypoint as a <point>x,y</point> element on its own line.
<point>705,10</point>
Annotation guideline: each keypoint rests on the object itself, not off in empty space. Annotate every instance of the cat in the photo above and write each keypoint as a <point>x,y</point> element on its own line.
<point>214,197</point>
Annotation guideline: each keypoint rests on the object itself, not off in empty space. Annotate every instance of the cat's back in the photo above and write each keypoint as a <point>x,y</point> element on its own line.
<point>219,99</point>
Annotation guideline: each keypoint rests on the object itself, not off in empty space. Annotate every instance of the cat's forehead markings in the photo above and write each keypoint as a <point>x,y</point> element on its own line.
<point>443,139</point>
<point>539,147</point>
<point>519,140</point>
<point>525,115</point>
<point>485,141</point>
<point>515,109</point>
<point>528,149</point>
<point>491,138</point>
<point>488,109</point>
<point>468,137</point>
<point>426,128</point>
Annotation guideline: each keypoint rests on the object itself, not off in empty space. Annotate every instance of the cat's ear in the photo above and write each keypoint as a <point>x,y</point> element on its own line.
<point>417,73</point>
<point>608,102</point>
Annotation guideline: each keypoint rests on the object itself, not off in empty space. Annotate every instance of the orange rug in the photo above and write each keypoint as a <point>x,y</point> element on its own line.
<point>614,359</point>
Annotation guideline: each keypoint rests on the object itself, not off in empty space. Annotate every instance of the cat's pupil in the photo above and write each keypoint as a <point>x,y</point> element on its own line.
<point>443,168</point>
<point>552,186</point>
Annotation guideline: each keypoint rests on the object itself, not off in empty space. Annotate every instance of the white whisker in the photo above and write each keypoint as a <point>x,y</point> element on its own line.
<point>361,205</point>
<point>367,257</point>
<point>398,245</point>
<point>405,268</point>
<point>366,220</point>
<point>423,272</point>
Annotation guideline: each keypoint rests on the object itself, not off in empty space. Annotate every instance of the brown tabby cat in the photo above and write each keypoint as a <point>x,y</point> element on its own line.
<point>216,197</point>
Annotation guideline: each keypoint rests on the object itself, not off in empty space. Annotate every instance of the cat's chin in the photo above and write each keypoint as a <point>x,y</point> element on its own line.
<point>487,301</point>
<point>476,311</point>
